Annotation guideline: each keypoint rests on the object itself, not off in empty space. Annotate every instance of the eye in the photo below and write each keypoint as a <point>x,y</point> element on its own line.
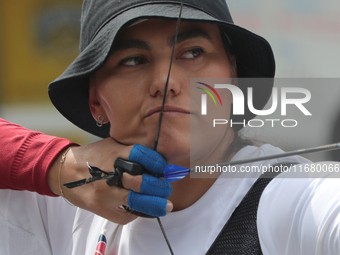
<point>134,61</point>
<point>194,53</point>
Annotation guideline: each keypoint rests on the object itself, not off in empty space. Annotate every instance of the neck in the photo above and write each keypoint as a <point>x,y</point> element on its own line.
<point>190,189</point>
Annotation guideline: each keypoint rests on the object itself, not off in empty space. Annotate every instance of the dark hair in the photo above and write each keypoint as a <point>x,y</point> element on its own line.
<point>239,141</point>
<point>229,50</point>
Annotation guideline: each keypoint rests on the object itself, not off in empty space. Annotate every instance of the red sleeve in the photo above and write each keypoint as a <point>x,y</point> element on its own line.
<point>25,157</point>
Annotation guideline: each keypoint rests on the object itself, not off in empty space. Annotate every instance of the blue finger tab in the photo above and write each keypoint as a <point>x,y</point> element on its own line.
<point>149,158</point>
<point>154,186</point>
<point>150,205</point>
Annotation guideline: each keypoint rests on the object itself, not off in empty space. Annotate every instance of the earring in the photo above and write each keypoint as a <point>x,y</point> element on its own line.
<point>100,120</point>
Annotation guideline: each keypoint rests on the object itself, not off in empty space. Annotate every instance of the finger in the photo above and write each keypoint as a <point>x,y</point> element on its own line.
<point>154,186</point>
<point>147,185</point>
<point>133,182</point>
<point>149,158</point>
<point>150,205</point>
<point>125,152</point>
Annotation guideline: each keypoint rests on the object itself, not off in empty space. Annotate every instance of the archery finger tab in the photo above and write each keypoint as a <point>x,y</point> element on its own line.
<point>128,166</point>
<point>150,205</point>
<point>154,186</point>
<point>124,166</point>
<point>149,158</point>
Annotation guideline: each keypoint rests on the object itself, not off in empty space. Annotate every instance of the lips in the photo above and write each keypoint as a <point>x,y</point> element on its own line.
<point>168,109</point>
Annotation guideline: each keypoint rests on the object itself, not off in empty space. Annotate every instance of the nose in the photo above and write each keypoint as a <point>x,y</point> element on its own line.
<point>160,77</point>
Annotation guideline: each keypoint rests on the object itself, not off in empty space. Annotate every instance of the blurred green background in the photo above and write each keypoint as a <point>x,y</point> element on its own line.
<point>38,40</point>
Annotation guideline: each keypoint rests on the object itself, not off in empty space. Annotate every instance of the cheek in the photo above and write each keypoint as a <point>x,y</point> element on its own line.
<point>118,105</point>
<point>219,69</point>
<point>226,97</point>
<point>205,138</point>
<point>205,123</point>
<point>125,110</point>
<point>110,101</point>
<point>117,100</point>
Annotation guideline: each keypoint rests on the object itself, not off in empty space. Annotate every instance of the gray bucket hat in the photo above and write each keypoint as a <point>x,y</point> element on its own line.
<point>101,21</point>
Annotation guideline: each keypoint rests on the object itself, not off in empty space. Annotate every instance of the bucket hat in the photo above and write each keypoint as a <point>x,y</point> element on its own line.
<point>101,20</point>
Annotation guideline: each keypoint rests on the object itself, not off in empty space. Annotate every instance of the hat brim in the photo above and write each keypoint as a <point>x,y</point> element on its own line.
<point>69,93</point>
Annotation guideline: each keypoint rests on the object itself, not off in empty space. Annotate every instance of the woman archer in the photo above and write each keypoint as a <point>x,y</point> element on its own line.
<point>115,89</point>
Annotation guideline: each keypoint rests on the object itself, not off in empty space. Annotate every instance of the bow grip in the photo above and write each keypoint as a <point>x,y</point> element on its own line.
<point>121,166</point>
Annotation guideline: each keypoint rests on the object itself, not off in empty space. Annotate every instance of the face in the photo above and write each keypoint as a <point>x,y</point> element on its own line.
<point>128,89</point>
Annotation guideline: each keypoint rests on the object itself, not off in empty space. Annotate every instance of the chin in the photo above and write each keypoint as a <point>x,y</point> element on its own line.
<point>178,154</point>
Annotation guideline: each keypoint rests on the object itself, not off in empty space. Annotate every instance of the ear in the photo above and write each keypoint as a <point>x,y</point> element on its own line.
<point>96,107</point>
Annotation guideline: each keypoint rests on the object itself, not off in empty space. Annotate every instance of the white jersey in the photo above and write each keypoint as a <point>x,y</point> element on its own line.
<point>295,216</point>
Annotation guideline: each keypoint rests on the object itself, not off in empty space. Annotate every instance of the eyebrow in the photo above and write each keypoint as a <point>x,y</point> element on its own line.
<point>139,44</point>
<point>190,34</point>
<point>131,44</point>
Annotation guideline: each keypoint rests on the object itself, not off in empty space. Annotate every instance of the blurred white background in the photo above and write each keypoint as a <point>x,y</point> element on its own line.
<point>305,37</point>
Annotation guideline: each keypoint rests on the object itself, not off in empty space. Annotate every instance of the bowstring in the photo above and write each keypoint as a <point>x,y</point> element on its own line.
<point>162,111</point>
<point>168,77</point>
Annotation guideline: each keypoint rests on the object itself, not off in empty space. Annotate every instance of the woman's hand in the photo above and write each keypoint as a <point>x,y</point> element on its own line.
<point>100,198</point>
